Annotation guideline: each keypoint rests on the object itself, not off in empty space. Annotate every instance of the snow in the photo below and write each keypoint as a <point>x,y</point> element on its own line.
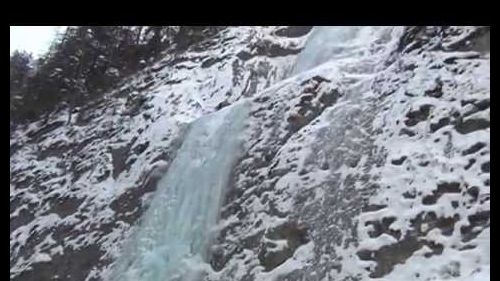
<point>171,112</point>
<point>321,175</point>
<point>301,257</point>
<point>451,264</point>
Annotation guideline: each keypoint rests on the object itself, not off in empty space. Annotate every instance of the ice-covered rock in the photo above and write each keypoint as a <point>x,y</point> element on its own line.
<point>364,155</point>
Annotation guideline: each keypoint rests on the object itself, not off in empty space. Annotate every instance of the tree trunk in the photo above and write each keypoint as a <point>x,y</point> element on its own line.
<point>70,112</point>
<point>138,38</point>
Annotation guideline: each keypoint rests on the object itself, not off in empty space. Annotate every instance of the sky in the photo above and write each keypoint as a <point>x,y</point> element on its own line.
<point>33,39</point>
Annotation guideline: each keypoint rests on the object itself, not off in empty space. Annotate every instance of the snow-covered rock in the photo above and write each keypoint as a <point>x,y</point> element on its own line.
<point>371,161</point>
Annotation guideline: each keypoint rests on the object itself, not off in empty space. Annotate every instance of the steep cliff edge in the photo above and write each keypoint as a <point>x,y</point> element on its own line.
<point>373,164</point>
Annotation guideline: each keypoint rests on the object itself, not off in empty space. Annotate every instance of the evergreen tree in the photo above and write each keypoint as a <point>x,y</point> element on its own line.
<point>85,61</point>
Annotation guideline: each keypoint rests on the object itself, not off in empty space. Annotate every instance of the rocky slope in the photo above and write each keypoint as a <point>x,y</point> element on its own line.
<point>374,164</point>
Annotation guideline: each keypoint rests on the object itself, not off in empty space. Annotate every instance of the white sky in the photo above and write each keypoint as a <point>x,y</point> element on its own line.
<point>34,39</point>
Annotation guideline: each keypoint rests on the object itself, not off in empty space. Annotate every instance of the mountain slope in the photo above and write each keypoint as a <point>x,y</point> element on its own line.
<point>374,164</point>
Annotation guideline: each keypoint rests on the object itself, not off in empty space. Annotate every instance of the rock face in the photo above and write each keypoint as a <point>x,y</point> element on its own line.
<point>372,165</point>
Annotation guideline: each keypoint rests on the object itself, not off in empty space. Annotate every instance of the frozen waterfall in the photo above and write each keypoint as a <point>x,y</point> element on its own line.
<point>171,241</point>
<point>344,44</point>
<point>172,238</point>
